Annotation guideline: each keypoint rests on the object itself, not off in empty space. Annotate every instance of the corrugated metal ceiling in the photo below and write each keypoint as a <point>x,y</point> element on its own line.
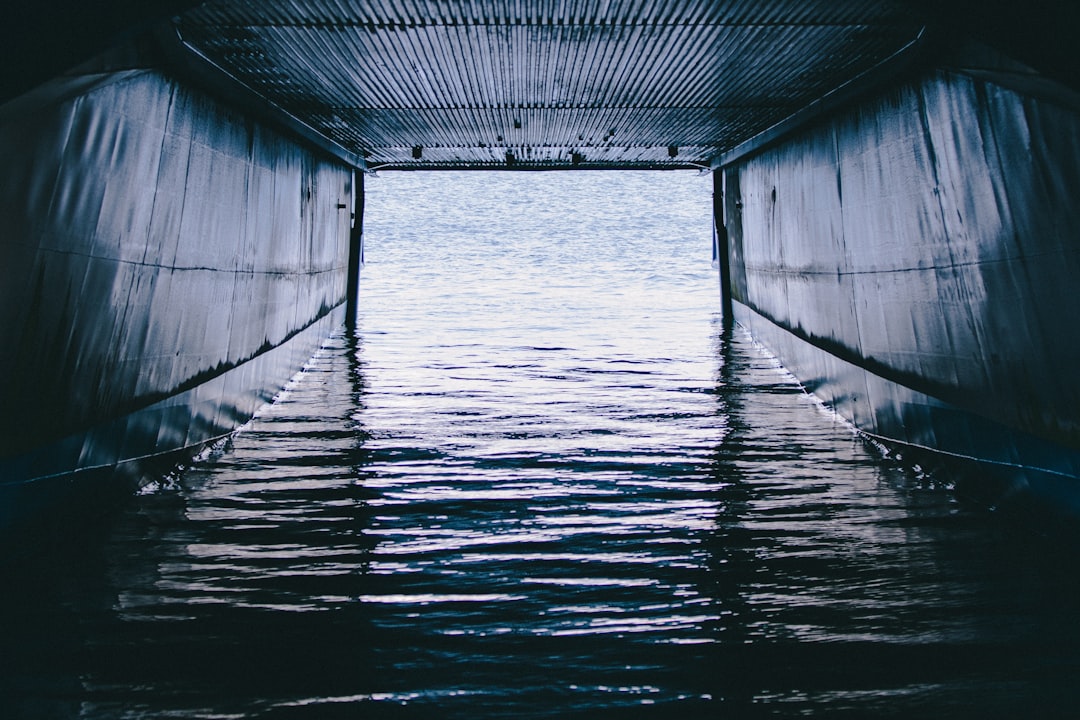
<point>559,83</point>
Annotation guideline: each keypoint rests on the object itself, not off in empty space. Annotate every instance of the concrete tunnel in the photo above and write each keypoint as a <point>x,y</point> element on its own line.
<point>182,196</point>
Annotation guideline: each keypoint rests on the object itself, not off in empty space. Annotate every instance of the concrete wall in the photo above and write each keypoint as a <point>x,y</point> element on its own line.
<point>913,261</point>
<point>157,253</point>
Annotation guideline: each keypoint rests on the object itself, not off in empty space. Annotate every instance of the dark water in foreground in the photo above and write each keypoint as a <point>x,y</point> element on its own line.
<point>540,481</point>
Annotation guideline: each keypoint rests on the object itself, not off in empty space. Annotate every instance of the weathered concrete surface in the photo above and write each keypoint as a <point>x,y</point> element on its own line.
<point>167,266</point>
<point>913,262</point>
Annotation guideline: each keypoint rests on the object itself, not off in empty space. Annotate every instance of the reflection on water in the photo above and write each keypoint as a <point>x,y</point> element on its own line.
<point>540,480</point>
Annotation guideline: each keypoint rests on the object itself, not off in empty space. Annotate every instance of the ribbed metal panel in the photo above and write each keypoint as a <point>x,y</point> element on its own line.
<point>550,83</point>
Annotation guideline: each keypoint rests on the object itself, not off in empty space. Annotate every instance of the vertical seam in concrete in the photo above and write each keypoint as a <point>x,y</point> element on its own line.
<point>161,155</point>
<point>928,139</point>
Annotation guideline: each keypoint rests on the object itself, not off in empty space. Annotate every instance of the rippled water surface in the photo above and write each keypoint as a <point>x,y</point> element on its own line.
<point>541,481</point>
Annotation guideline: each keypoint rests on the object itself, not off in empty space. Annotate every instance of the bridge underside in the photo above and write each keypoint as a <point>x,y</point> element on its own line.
<point>547,84</point>
<point>497,84</point>
<point>895,201</point>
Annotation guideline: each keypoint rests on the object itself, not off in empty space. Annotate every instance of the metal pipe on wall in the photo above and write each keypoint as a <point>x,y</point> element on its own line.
<point>720,246</point>
<point>356,251</point>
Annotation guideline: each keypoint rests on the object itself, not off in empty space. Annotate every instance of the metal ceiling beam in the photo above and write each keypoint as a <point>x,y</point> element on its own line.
<point>545,84</point>
<point>889,68</point>
<point>536,84</point>
<point>188,61</point>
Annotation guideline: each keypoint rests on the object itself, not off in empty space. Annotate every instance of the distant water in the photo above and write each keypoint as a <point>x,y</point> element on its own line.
<point>541,481</point>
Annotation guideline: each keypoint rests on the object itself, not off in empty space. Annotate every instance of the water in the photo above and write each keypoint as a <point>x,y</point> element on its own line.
<point>541,481</point>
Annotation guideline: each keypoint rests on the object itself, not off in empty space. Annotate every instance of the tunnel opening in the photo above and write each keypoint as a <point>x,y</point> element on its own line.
<point>538,453</point>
